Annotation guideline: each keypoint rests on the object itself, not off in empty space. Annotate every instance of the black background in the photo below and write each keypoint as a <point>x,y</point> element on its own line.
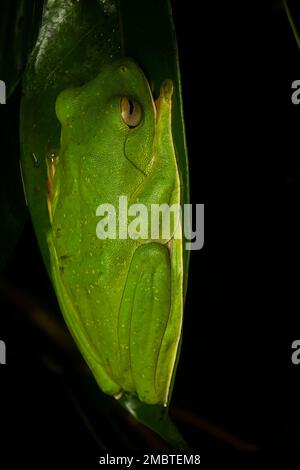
<point>238,60</point>
<point>243,301</point>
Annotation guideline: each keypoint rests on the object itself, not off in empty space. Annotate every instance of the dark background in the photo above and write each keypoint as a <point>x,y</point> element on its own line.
<point>238,60</point>
<point>238,63</point>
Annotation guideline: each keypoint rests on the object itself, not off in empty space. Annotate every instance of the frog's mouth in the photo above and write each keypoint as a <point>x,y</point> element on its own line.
<point>144,173</point>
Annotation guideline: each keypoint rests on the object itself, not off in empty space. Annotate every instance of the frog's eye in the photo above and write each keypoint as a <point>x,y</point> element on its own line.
<point>131,111</point>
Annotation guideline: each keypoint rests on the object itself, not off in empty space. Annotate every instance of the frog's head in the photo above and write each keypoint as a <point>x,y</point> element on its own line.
<point>112,118</point>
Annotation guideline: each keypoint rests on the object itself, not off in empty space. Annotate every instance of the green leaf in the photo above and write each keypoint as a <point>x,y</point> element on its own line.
<point>76,39</point>
<point>155,417</point>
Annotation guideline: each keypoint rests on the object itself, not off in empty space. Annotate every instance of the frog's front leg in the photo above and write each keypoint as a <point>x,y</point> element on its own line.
<point>162,183</point>
<point>150,316</point>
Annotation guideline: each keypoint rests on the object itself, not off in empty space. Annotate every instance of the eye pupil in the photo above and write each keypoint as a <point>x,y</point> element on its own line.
<point>131,106</point>
<point>131,111</point>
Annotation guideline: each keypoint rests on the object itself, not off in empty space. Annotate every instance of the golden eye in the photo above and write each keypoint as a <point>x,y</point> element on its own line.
<point>131,111</point>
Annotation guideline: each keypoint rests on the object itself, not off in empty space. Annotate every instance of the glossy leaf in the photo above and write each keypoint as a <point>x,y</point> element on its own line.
<point>76,39</point>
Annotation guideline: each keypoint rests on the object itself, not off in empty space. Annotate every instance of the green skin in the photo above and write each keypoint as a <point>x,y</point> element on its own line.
<point>122,299</point>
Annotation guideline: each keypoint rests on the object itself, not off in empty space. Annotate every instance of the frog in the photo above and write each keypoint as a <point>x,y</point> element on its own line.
<point>121,298</point>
